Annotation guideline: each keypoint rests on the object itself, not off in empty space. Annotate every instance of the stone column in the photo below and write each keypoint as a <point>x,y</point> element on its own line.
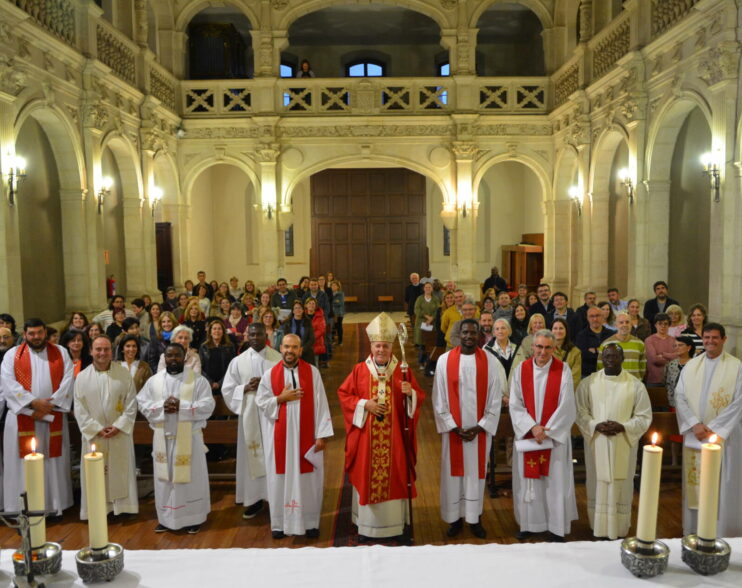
<point>559,236</point>
<point>586,21</point>
<point>141,25</point>
<point>268,245</point>
<point>467,205</point>
<point>599,242</point>
<point>652,211</point>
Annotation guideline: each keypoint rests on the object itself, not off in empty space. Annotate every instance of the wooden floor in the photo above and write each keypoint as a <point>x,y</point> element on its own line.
<point>226,528</point>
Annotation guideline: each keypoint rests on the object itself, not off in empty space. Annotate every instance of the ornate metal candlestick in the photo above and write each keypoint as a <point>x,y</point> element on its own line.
<point>705,557</point>
<point>29,561</point>
<point>100,565</point>
<point>644,560</point>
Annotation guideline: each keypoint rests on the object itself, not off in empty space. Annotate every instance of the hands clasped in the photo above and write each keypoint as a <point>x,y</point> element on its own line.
<point>539,433</point>
<point>468,434</point>
<point>171,405</point>
<point>609,428</point>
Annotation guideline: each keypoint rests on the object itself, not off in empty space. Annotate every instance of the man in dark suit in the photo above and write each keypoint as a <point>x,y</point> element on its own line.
<point>495,281</point>
<point>544,305</point>
<point>659,303</point>
<point>590,298</point>
<point>561,310</point>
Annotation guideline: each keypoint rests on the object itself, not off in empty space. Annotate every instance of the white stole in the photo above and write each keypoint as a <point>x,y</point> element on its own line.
<point>183,435</point>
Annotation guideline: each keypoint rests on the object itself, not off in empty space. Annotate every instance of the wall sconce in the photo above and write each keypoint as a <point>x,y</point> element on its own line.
<point>269,211</point>
<point>463,210</point>
<point>624,176</point>
<point>155,197</point>
<point>576,195</point>
<point>105,191</point>
<point>16,174</point>
<point>711,169</point>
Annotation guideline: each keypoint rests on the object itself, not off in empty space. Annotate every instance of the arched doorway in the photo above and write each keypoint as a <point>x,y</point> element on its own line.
<point>219,44</point>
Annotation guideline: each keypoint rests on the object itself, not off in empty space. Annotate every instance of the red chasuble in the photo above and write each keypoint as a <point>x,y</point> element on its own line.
<point>536,463</point>
<point>306,419</point>
<point>455,443</point>
<point>375,454</point>
<point>27,424</point>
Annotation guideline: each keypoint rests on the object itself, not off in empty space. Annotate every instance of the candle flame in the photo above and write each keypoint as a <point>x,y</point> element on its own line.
<point>713,438</point>
<point>92,448</point>
<point>33,444</point>
<point>655,438</point>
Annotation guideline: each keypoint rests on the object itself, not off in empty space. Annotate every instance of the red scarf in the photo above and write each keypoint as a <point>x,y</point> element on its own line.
<point>27,424</point>
<point>536,463</point>
<point>306,419</point>
<point>456,446</point>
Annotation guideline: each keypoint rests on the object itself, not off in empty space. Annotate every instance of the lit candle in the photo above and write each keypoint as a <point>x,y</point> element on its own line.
<point>34,474</point>
<point>708,494</point>
<point>649,492</point>
<point>95,495</point>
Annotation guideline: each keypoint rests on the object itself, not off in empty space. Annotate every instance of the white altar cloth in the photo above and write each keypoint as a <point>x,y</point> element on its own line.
<point>581,563</point>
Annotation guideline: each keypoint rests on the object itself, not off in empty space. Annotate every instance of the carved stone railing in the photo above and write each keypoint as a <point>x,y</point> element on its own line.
<point>216,97</point>
<point>610,45</point>
<point>162,86</point>
<point>56,16</point>
<point>117,52</point>
<point>566,82</point>
<point>665,13</point>
<point>513,95</point>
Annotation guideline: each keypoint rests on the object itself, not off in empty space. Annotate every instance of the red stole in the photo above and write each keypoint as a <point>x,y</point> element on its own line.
<point>306,419</point>
<point>27,424</point>
<point>456,445</point>
<point>536,463</point>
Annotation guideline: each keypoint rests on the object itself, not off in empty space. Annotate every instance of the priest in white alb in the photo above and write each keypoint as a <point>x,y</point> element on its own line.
<point>613,412</point>
<point>542,410</point>
<point>467,397</point>
<point>177,403</point>
<point>105,409</point>
<point>708,400</point>
<point>37,379</point>
<point>239,388</point>
<point>295,421</point>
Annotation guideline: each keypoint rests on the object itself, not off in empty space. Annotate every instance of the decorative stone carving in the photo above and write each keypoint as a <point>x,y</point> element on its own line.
<point>95,116</point>
<point>279,4</point>
<point>12,76</point>
<point>720,63</point>
<point>267,153</point>
<point>74,114</point>
<point>611,49</point>
<point>464,150</point>
<point>56,16</point>
<point>514,129</point>
<point>665,13</point>
<point>566,85</point>
<point>6,34</point>
<point>449,4</point>
<point>153,140</point>
<point>142,26</point>
<point>225,133</point>
<point>116,55</point>
<point>629,109</point>
<point>586,19</point>
<point>23,50</point>
<point>162,89</point>
<point>375,130</point>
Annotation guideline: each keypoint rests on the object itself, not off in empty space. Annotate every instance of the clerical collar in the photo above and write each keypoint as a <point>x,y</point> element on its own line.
<point>543,367</point>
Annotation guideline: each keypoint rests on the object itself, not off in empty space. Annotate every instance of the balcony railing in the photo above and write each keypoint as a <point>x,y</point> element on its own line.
<point>216,97</point>
<point>56,16</point>
<point>610,45</point>
<point>163,86</point>
<point>117,51</point>
<point>513,95</point>
<point>566,81</point>
<point>665,13</point>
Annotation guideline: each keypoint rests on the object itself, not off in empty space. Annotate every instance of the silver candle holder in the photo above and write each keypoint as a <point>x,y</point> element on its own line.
<point>704,556</point>
<point>100,565</point>
<point>643,559</point>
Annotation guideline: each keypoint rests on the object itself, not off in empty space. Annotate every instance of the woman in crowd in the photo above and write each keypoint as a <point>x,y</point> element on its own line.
<point>609,319</point>
<point>298,324</point>
<point>303,287</point>
<point>263,305</point>
<point>215,354</point>
<point>488,305</point>
<point>337,301</point>
<point>248,304</point>
<point>222,309</point>
<point>697,319</point>
<point>252,290</point>
<point>130,358</point>
<point>685,349</point>
<point>273,333</point>
<point>504,306</point>
<point>440,336</point>
<point>519,323</point>
<point>236,324</point>
<point>78,321</point>
<point>7,321</point>
<point>489,293</point>
<point>567,351</point>
<point>77,345</point>
<point>183,300</point>
<point>188,287</point>
<point>156,347</point>
<point>234,289</point>
<point>640,327</point>
<point>183,335</point>
<point>677,320</point>
<point>224,291</point>
<point>319,326</point>
<point>537,322</point>
<point>147,301</point>
<point>305,70</point>
<point>660,350</point>
<point>52,335</point>
<point>203,301</point>
<point>532,298</point>
<point>522,296</point>
<point>155,312</point>
<point>116,327</point>
<point>194,320</point>
<point>503,349</point>
<point>214,287</point>
<point>92,330</point>
<point>425,307</point>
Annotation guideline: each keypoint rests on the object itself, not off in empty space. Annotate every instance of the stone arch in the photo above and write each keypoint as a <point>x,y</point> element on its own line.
<point>568,164</point>
<point>426,8</point>
<point>127,161</point>
<point>195,170</point>
<point>536,6</point>
<point>192,9</point>
<point>603,153</point>
<point>165,176</point>
<point>528,160</point>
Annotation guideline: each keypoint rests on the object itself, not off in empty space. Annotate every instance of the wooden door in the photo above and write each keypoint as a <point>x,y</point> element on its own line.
<point>368,228</point>
<point>164,252</point>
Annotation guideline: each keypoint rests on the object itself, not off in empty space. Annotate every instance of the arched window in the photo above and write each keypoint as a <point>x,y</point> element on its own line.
<point>365,69</point>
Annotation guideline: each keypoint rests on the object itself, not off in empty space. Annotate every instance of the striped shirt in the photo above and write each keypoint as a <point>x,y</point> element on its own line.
<point>634,358</point>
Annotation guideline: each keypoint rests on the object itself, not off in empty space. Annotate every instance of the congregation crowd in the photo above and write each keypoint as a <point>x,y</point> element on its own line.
<point>529,353</point>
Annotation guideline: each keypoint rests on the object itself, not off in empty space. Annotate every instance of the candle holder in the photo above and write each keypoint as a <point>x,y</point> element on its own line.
<point>644,560</point>
<point>100,565</point>
<point>705,557</point>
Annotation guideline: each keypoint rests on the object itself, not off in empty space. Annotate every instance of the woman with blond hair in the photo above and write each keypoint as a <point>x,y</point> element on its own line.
<point>273,332</point>
<point>697,319</point>
<point>194,319</point>
<point>536,323</point>
<point>677,320</point>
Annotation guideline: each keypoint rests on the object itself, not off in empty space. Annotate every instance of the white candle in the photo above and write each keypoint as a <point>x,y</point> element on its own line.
<point>649,492</point>
<point>34,474</point>
<point>95,495</point>
<point>708,494</point>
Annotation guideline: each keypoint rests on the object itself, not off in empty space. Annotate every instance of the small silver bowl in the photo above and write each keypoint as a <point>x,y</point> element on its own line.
<point>100,565</point>
<point>46,560</point>
<point>644,561</point>
<point>705,557</point>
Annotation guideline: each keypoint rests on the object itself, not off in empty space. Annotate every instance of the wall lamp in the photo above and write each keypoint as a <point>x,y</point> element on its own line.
<point>624,176</point>
<point>155,197</point>
<point>711,169</point>
<point>269,211</point>
<point>16,174</point>
<point>576,195</point>
<point>104,192</point>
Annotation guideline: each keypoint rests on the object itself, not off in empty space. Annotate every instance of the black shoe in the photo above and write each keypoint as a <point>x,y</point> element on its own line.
<point>454,528</point>
<point>523,535</point>
<point>478,530</point>
<point>312,533</point>
<point>278,534</point>
<point>252,510</point>
<point>161,529</point>
<point>363,539</point>
<point>554,538</point>
<point>193,529</point>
